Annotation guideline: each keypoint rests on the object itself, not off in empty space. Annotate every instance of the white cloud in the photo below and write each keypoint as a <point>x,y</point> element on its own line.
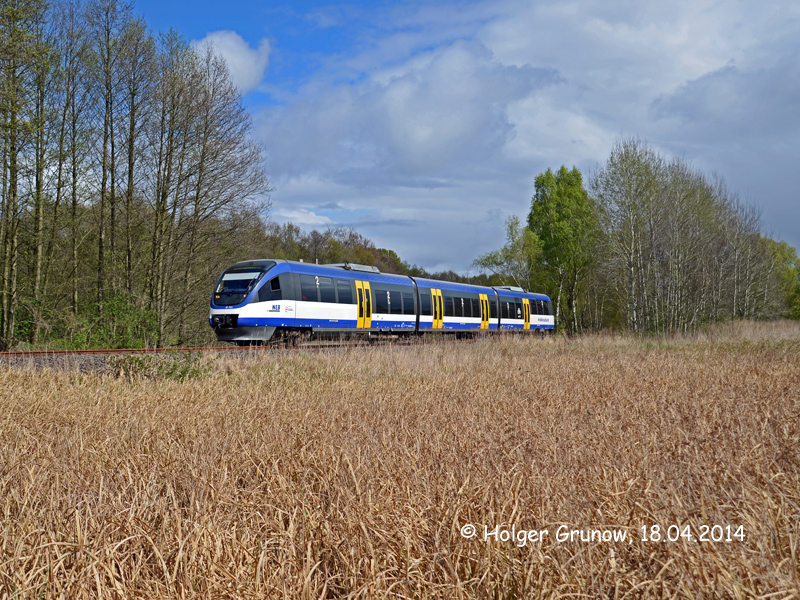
<point>444,113</point>
<point>246,64</point>
<point>301,217</point>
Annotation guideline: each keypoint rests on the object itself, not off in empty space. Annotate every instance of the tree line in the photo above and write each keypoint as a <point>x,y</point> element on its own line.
<point>127,163</point>
<point>651,244</point>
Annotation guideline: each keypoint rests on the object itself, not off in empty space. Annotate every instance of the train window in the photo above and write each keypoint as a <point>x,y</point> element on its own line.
<point>270,290</point>
<point>408,304</point>
<point>476,308</point>
<point>503,309</point>
<point>395,303</point>
<point>425,303</point>
<point>458,307</point>
<point>518,306</point>
<point>327,293</point>
<point>235,283</point>
<point>308,288</point>
<point>345,290</point>
<point>381,301</point>
<point>448,306</point>
<point>540,306</point>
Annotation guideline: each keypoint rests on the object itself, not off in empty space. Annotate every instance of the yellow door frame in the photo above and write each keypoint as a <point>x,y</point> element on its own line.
<point>436,305</point>
<point>526,313</point>
<point>364,297</point>
<point>484,311</point>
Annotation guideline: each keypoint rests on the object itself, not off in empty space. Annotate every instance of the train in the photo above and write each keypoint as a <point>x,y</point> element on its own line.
<point>272,300</point>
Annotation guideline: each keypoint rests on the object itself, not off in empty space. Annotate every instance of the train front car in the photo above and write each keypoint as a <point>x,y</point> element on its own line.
<point>258,301</point>
<point>248,305</point>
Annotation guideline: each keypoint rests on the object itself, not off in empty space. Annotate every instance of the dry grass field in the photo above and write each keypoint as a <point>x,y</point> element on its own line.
<point>353,473</point>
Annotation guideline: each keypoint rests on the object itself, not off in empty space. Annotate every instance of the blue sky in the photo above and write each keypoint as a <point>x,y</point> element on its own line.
<point>423,124</point>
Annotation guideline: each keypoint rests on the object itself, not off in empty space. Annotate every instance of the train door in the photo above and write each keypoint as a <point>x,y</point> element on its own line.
<point>526,313</point>
<point>484,311</point>
<point>436,297</point>
<point>364,305</point>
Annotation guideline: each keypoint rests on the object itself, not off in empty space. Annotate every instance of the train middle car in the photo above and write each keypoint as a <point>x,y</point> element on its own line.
<point>259,300</point>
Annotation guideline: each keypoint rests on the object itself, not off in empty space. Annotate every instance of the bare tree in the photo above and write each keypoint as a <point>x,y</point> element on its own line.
<point>20,45</point>
<point>137,72</point>
<point>107,21</point>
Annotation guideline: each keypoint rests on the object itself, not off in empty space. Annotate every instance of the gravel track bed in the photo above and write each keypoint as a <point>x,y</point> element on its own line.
<point>84,363</point>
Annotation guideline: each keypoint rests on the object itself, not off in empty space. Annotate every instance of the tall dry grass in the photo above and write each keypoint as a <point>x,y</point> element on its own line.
<point>351,473</point>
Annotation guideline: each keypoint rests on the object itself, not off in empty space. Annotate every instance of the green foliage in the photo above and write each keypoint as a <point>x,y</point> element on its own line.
<point>787,268</point>
<point>564,219</point>
<point>177,366</point>
<point>516,262</point>
<point>794,300</point>
<point>123,324</point>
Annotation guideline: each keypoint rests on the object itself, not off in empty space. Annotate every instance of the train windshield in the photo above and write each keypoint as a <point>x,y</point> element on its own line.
<point>238,281</point>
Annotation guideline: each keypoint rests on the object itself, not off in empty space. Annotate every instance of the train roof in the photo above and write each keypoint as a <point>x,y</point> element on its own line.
<point>372,273</point>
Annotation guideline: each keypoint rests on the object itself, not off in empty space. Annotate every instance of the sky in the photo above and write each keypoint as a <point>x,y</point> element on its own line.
<point>423,125</point>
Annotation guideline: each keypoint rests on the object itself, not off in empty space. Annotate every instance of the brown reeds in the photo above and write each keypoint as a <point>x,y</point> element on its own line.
<point>353,473</point>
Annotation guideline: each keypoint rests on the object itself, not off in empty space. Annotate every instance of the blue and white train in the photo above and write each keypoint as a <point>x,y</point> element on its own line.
<point>260,300</point>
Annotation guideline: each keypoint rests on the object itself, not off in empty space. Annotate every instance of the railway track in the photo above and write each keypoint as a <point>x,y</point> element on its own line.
<point>43,355</point>
<point>111,352</point>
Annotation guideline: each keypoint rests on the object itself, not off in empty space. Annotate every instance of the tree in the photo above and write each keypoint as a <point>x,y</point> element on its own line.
<point>137,67</point>
<point>787,271</point>
<point>107,21</point>
<point>224,166</point>
<point>628,188</point>
<point>516,262</point>
<point>20,49</point>
<point>564,219</point>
